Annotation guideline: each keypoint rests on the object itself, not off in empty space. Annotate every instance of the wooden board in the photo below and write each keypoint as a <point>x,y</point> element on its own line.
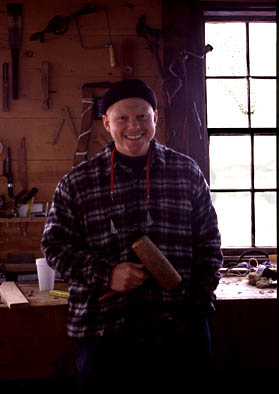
<point>11,294</point>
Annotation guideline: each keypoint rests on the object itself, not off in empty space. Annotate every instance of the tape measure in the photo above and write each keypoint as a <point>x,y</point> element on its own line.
<point>59,293</point>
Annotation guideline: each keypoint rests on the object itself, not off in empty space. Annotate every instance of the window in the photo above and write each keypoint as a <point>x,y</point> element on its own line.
<point>241,123</point>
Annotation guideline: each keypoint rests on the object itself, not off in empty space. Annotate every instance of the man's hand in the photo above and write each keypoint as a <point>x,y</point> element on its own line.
<point>127,276</point>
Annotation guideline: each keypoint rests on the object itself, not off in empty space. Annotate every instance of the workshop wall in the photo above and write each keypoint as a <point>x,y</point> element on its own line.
<point>70,67</point>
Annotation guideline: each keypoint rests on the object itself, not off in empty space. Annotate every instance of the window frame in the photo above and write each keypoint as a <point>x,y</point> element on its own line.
<point>246,12</point>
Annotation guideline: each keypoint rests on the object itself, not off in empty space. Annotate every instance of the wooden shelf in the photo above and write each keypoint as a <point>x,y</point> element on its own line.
<point>23,220</point>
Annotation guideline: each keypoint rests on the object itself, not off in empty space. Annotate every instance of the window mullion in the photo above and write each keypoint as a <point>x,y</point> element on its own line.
<point>253,221</point>
<point>248,75</point>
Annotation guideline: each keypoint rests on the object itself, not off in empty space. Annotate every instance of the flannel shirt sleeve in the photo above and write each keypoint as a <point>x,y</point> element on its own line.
<point>207,253</point>
<point>64,246</point>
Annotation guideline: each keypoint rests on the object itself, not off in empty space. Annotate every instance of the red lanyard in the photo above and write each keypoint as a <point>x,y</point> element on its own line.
<point>112,174</point>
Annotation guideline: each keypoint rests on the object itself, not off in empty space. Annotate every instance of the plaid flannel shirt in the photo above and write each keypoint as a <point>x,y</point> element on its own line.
<point>87,234</point>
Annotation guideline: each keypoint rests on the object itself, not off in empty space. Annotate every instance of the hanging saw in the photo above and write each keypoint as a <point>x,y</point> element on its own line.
<point>59,25</point>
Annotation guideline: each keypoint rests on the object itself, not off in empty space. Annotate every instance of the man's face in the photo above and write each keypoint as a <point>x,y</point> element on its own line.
<point>132,125</point>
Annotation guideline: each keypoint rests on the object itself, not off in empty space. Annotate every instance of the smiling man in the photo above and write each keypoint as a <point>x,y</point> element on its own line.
<point>135,186</point>
<point>132,124</point>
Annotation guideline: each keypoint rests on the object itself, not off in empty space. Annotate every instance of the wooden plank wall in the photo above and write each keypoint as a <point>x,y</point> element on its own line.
<point>70,67</point>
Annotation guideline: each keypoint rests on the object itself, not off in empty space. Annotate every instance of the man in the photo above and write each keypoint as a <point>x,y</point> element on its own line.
<point>133,187</point>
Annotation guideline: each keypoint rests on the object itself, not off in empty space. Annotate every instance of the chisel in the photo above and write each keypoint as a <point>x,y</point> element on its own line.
<point>5,88</point>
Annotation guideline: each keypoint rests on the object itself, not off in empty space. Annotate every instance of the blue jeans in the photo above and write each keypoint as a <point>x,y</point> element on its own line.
<point>179,352</point>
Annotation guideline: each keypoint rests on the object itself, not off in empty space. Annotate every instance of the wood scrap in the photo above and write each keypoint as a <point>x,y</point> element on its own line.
<point>12,296</point>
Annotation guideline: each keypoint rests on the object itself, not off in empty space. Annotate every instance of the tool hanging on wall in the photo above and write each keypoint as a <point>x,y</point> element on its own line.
<point>24,196</point>
<point>22,164</point>
<point>59,25</point>
<point>66,115</point>
<point>152,37</point>
<point>176,68</point>
<point>7,172</point>
<point>87,114</point>
<point>127,47</point>
<point>14,12</point>
<point>107,45</point>
<point>44,70</point>
<point>5,88</point>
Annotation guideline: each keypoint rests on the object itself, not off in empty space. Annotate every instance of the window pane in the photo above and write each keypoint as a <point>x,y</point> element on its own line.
<point>262,49</point>
<point>234,218</point>
<point>265,161</point>
<point>230,162</point>
<point>228,57</point>
<point>263,103</point>
<point>265,212</point>
<point>227,103</point>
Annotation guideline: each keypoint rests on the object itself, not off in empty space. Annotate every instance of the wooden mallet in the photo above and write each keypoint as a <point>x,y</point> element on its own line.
<point>156,264</point>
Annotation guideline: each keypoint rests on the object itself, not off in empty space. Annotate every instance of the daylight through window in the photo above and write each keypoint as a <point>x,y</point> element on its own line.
<point>241,121</point>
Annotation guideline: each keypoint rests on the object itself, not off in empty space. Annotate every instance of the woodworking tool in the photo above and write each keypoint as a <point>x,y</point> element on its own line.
<point>2,206</point>
<point>156,264</point>
<point>59,293</point>
<point>7,172</point>
<point>266,272</point>
<point>22,165</point>
<point>14,12</point>
<point>66,115</point>
<point>107,45</point>
<point>59,25</point>
<point>127,48</point>
<point>44,70</point>
<point>5,88</point>
<point>152,37</point>
<point>88,104</point>
<point>23,197</point>
<point>44,85</point>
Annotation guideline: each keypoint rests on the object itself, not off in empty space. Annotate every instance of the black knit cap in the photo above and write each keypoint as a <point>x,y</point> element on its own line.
<point>127,88</point>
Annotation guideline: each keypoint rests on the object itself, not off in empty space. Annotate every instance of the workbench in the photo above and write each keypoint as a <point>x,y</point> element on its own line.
<point>238,288</point>
<point>33,339</point>
<point>244,326</point>
<point>34,342</point>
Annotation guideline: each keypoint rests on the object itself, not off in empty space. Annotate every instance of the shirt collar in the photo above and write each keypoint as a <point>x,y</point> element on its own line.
<point>156,156</point>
